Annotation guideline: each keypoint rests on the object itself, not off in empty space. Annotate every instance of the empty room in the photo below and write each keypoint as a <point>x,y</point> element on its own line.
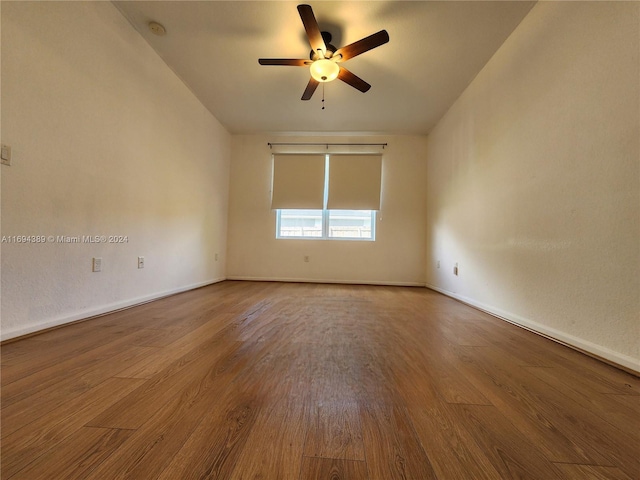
<point>340,240</point>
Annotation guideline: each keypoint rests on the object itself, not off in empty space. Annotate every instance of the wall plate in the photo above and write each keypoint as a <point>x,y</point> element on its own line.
<point>5,155</point>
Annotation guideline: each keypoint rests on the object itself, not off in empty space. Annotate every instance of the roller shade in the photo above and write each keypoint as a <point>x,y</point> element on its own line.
<point>298,181</point>
<point>354,182</point>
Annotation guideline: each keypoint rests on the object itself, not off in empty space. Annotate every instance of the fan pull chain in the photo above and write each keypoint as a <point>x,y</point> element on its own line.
<point>322,95</point>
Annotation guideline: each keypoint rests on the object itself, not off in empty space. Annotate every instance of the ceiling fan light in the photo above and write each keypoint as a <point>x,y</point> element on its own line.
<point>324,70</point>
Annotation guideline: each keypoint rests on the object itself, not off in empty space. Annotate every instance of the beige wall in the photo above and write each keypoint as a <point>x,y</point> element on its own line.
<point>106,141</point>
<point>533,180</point>
<point>396,257</point>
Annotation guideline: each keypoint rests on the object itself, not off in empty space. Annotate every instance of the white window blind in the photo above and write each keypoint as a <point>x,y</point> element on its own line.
<point>354,182</point>
<point>298,181</point>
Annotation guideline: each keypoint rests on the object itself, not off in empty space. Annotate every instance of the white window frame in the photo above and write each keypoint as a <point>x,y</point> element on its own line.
<point>325,218</point>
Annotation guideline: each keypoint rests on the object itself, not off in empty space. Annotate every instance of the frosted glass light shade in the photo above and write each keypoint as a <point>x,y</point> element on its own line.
<point>324,70</point>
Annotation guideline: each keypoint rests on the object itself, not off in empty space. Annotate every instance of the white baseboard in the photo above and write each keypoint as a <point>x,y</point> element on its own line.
<point>104,309</point>
<point>324,280</point>
<point>590,348</point>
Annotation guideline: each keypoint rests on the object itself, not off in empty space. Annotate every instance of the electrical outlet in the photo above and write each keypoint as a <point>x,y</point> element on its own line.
<point>140,262</point>
<point>97,264</point>
<point>455,269</point>
<point>216,257</point>
<point>438,264</point>
<point>5,155</point>
<point>306,258</point>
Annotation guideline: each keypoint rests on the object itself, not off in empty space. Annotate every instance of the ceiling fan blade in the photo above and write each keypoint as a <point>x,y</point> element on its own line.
<point>311,26</point>
<point>356,82</point>
<point>363,45</point>
<point>311,87</point>
<point>285,61</point>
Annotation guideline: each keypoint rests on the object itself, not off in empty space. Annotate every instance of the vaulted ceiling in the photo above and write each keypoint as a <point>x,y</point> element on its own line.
<point>436,48</point>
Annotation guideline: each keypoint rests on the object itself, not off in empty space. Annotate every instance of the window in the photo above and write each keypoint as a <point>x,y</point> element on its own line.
<point>351,224</point>
<point>352,184</point>
<point>300,224</point>
<point>326,224</point>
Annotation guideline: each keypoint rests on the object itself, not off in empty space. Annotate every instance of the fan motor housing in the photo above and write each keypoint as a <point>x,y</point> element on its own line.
<point>331,49</point>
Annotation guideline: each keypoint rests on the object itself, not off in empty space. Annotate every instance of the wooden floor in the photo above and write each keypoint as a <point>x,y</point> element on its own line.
<point>243,380</point>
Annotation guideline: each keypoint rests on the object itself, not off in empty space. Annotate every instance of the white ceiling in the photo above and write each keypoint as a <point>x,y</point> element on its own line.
<point>436,48</point>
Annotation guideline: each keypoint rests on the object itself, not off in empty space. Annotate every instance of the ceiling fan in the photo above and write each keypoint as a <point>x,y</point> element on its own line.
<point>324,58</point>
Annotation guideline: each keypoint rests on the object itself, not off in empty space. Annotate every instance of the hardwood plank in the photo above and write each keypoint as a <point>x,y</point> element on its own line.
<point>335,432</point>
<point>139,406</point>
<point>613,385</point>
<point>512,341</point>
<point>184,319</point>
<point>501,383</point>
<point>333,469</point>
<point>18,351</point>
<point>611,378</point>
<point>248,380</point>
<point>511,453</point>
<point>464,334</point>
<point>592,472</point>
<point>75,458</point>
<point>18,388</point>
<point>213,448</point>
<point>53,396</point>
<point>588,433</point>
<point>274,447</point>
<point>605,406</point>
<point>451,449</point>
<point>336,374</point>
<point>450,385</point>
<point>78,338</point>
<point>454,388</point>
<point>392,450</point>
<point>159,439</point>
<point>275,443</point>
<point>630,402</point>
<point>449,446</point>
<point>161,358</point>
<point>530,349</point>
<point>30,441</point>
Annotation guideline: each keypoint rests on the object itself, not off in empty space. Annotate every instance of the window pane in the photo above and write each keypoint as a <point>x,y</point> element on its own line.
<point>351,224</point>
<point>300,223</point>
